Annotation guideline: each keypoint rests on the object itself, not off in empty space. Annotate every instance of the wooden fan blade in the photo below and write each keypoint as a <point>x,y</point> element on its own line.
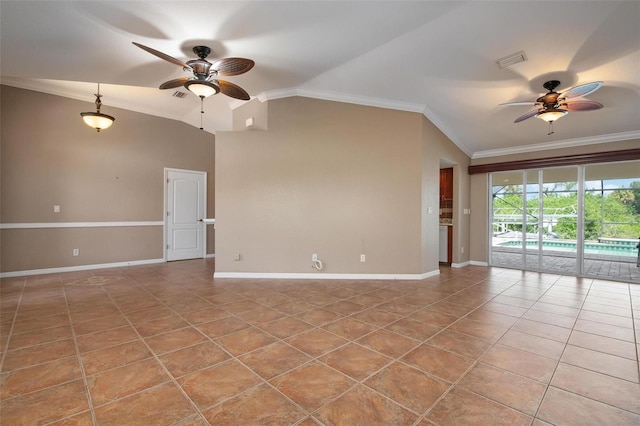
<point>527,115</point>
<point>174,83</point>
<point>582,105</point>
<point>232,66</point>
<point>582,90</point>
<point>233,90</point>
<point>162,55</point>
<point>524,103</point>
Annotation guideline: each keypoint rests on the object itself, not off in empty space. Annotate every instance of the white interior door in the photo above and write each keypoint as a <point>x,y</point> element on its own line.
<point>186,209</point>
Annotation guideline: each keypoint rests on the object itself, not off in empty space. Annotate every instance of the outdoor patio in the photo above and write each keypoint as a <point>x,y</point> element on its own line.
<point>605,267</point>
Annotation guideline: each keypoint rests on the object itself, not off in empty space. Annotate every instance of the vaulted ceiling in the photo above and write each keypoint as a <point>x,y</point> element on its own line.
<point>437,58</point>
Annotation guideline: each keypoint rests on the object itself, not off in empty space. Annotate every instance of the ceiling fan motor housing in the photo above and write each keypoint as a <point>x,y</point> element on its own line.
<point>201,68</point>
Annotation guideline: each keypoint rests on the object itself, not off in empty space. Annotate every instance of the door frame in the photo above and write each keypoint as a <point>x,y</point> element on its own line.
<point>165,206</point>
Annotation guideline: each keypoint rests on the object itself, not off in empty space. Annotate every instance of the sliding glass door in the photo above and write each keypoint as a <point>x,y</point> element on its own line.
<point>560,220</point>
<point>612,220</point>
<point>508,219</point>
<point>578,220</point>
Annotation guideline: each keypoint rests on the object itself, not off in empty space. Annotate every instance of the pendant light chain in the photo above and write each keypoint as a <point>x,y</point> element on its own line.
<point>201,110</point>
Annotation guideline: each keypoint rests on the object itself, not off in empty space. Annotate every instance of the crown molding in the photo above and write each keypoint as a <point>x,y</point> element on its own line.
<point>567,143</point>
<point>44,87</point>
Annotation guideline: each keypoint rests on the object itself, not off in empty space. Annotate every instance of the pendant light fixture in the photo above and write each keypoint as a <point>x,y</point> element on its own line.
<point>97,120</point>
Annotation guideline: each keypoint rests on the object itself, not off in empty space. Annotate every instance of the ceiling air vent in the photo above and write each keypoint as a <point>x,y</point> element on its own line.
<point>179,94</point>
<point>511,60</point>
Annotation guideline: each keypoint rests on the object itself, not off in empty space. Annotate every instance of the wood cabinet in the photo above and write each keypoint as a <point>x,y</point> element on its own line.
<point>446,195</point>
<point>446,184</point>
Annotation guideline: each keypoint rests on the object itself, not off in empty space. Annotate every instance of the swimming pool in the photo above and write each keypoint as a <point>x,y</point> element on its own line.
<point>617,248</point>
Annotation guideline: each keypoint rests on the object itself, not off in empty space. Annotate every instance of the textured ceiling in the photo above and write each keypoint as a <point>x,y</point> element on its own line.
<point>437,58</point>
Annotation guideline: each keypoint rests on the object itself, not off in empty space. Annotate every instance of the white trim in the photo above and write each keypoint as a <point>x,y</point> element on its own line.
<point>79,268</point>
<point>40,225</point>
<point>460,265</point>
<point>478,263</point>
<point>210,255</point>
<point>315,276</point>
<point>568,143</point>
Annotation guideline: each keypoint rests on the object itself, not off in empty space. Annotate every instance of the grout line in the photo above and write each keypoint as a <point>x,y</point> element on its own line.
<point>11,327</point>
<point>154,355</point>
<point>79,358</point>
<point>563,350</point>
<point>245,293</point>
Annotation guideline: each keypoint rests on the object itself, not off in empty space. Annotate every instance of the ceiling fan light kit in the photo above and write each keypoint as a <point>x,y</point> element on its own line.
<point>551,114</point>
<point>202,89</point>
<point>97,120</point>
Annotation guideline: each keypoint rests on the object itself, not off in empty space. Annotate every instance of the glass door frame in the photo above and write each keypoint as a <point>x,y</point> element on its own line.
<point>579,266</point>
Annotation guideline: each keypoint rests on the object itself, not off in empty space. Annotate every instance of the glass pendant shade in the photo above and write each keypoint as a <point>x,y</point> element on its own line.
<point>202,89</point>
<point>97,120</point>
<point>551,115</point>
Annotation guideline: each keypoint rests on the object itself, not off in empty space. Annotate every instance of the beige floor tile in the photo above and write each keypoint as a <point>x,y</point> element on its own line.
<point>408,386</point>
<point>362,406</point>
<point>562,407</point>
<point>438,362</point>
<point>356,361</point>
<point>209,386</point>
<point>504,387</point>
<point>275,359</point>
<point>524,363</point>
<point>460,407</point>
<point>312,385</point>
<point>261,405</point>
<point>607,389</point>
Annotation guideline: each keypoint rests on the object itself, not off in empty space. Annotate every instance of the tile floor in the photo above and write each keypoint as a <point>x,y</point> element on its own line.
<point>165,344</point>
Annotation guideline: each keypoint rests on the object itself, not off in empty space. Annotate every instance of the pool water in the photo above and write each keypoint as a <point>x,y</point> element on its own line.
<point>616,249</point>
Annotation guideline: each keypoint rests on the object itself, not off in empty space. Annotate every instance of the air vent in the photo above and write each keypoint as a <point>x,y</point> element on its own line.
<point>179,94</point>
<point>511,60</point>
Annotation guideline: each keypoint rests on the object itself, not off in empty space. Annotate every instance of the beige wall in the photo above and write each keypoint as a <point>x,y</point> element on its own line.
<point>435,148</point>
<point>330,178</point>
<point>112,176</point>
<point>479,186</point>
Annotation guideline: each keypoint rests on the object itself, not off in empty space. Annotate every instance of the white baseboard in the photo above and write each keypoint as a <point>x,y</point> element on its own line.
<point>478,263</point>
<point>321,276</point>
<point>460,265</point>
<point>78,268</point>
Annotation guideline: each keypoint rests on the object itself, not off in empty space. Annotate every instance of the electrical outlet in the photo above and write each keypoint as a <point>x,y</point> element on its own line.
<point>237,257</point>
<point>56,208</point>
<point>76,252</point>
<point>461,249</point>
<point>314,257</point>
<point>363,258</point>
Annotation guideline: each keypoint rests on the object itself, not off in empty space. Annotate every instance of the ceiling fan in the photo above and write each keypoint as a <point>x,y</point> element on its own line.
<point>204,81</point>
<point>553,105</point>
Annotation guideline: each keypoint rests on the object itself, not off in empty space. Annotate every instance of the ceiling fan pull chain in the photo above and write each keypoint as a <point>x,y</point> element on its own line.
<point>550,128</point>
<point>201,110</point>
